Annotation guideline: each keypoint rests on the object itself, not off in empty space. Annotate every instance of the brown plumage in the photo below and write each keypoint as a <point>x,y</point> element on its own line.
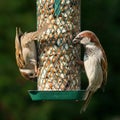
<point>95,63</point>
<point>26,52</point>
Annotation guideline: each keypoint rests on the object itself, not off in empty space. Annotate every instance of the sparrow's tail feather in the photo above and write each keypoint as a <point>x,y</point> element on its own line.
<point>86,102</point>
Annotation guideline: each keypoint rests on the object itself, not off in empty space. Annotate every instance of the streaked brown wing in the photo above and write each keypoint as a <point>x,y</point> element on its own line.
<point>18,53</point>
<point>104,68</point>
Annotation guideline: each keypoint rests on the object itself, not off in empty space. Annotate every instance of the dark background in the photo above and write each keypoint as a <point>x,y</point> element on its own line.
<point>100,16</point>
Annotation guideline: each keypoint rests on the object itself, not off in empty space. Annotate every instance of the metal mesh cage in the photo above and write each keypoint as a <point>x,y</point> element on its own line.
<point>58,55</point>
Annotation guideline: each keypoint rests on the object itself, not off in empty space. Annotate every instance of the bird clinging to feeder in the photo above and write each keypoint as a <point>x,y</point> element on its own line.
<point>26,53</point>
<point>95,63</point>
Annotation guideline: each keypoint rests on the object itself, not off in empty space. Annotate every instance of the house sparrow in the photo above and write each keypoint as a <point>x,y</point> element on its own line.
<point>95,63</point>
<point>26,53</point>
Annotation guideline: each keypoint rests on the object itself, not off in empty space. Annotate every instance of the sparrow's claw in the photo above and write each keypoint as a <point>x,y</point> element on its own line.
<point>81,63</point>
<point>37,70</point>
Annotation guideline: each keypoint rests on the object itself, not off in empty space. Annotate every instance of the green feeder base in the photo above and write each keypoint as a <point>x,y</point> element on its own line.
<point>56,95</point>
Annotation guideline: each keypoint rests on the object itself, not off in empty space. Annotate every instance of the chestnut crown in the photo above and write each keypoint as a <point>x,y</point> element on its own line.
<point>86,37</point>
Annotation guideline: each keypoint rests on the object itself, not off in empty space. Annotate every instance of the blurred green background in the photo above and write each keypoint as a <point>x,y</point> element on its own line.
<point>100,16</point>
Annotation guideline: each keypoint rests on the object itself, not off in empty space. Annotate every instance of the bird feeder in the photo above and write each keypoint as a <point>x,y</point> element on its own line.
<point>59,76</point>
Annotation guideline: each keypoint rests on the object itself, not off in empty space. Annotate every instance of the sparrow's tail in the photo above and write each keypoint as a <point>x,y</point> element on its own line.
<point>86,102</point>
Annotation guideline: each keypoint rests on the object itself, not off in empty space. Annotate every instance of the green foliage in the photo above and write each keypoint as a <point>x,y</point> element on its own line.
<point>100,16</point>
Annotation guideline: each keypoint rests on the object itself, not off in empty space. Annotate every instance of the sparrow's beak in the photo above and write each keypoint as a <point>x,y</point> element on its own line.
<point>77,39</point>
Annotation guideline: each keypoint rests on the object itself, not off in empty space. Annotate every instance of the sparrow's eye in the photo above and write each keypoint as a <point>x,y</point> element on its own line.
<point>76,40</point>
<point>81,37</point>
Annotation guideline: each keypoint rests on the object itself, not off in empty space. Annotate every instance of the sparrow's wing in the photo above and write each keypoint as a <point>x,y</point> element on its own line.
<point>19,55</point>
<point>104,68</point>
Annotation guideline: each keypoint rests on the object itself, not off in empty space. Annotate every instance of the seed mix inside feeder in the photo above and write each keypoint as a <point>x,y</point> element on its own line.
<point>59,76</point>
